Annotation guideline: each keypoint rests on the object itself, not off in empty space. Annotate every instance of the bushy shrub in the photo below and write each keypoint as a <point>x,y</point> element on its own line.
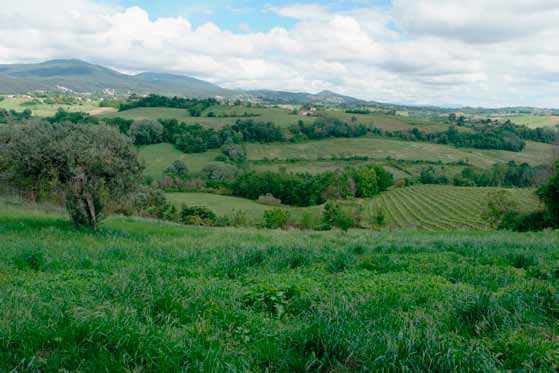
<point>197,215</point>
<point>276,218</point>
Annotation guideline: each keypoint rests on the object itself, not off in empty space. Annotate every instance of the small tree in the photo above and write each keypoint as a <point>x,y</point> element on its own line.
<point>94,165</point>
<point>234,152</point>
<point>146,132</point>
<point>177,168</point>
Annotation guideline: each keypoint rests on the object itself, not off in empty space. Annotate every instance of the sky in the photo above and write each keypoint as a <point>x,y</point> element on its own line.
<point>427,52</point>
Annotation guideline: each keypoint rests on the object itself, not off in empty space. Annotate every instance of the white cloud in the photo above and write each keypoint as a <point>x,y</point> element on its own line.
<point>477,52</point>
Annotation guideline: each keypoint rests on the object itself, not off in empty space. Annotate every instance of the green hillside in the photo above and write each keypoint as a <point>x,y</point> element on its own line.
<point>422,207</point>
<point>535,153</point>
<point>158,157</point>
<point>143,295</point>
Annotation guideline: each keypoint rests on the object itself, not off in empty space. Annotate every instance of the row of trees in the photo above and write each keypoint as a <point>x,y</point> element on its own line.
<point>326,127</point>
<point>308,190</point>
<point>490,138</point>
<point>507,175</point>
<point>543,135</point>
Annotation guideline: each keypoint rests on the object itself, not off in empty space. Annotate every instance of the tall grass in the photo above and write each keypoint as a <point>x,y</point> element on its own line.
<point>144,295</point>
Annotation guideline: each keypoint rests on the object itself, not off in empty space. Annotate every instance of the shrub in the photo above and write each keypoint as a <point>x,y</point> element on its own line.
<point>197,215</point>
<point>276,218</point>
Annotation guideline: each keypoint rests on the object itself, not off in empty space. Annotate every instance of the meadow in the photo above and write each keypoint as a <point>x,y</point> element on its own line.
<point>159,156</point>
<point>143,295</point>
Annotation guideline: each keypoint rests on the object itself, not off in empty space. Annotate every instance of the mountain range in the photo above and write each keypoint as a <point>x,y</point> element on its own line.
<point>76,76</point>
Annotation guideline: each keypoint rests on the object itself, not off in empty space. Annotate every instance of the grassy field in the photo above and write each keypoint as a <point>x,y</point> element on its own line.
<point>148,296</point>
<point>158,157</point>
<point>399,169</point>
<point>422,207</point>
<point>532,121</point>
<point>46,110</point>
<point>535,153</point>
<point>228,206</point>
<point>394,122</point>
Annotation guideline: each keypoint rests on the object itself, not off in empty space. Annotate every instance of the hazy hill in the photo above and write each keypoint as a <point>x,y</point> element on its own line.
<point>82,77</point>
<point>301,98</point>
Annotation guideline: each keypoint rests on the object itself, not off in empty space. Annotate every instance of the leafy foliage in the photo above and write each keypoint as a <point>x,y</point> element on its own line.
<point>92,165</point>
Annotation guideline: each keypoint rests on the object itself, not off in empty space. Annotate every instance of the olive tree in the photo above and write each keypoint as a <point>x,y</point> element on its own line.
<point>93,165</point>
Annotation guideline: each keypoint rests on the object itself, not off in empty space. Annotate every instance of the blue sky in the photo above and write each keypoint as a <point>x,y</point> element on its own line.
<point>230,14</point>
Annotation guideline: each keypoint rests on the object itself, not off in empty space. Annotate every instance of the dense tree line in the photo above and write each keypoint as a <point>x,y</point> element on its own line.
<point>194,106</point>
<point>326,127</point>
<point>497,138</point>
<point>308,190</point>
<point>543,135</point>
<point>509,175</point>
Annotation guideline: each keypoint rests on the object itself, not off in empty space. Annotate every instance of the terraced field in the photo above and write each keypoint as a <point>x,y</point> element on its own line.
<point>441,207</point>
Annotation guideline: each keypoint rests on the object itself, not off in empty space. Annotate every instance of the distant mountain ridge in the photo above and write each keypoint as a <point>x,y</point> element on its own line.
<point>82,77</point>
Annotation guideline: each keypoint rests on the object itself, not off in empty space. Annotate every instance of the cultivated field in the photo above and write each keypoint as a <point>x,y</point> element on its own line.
<point>442,207</point>
<point>143,295</point>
